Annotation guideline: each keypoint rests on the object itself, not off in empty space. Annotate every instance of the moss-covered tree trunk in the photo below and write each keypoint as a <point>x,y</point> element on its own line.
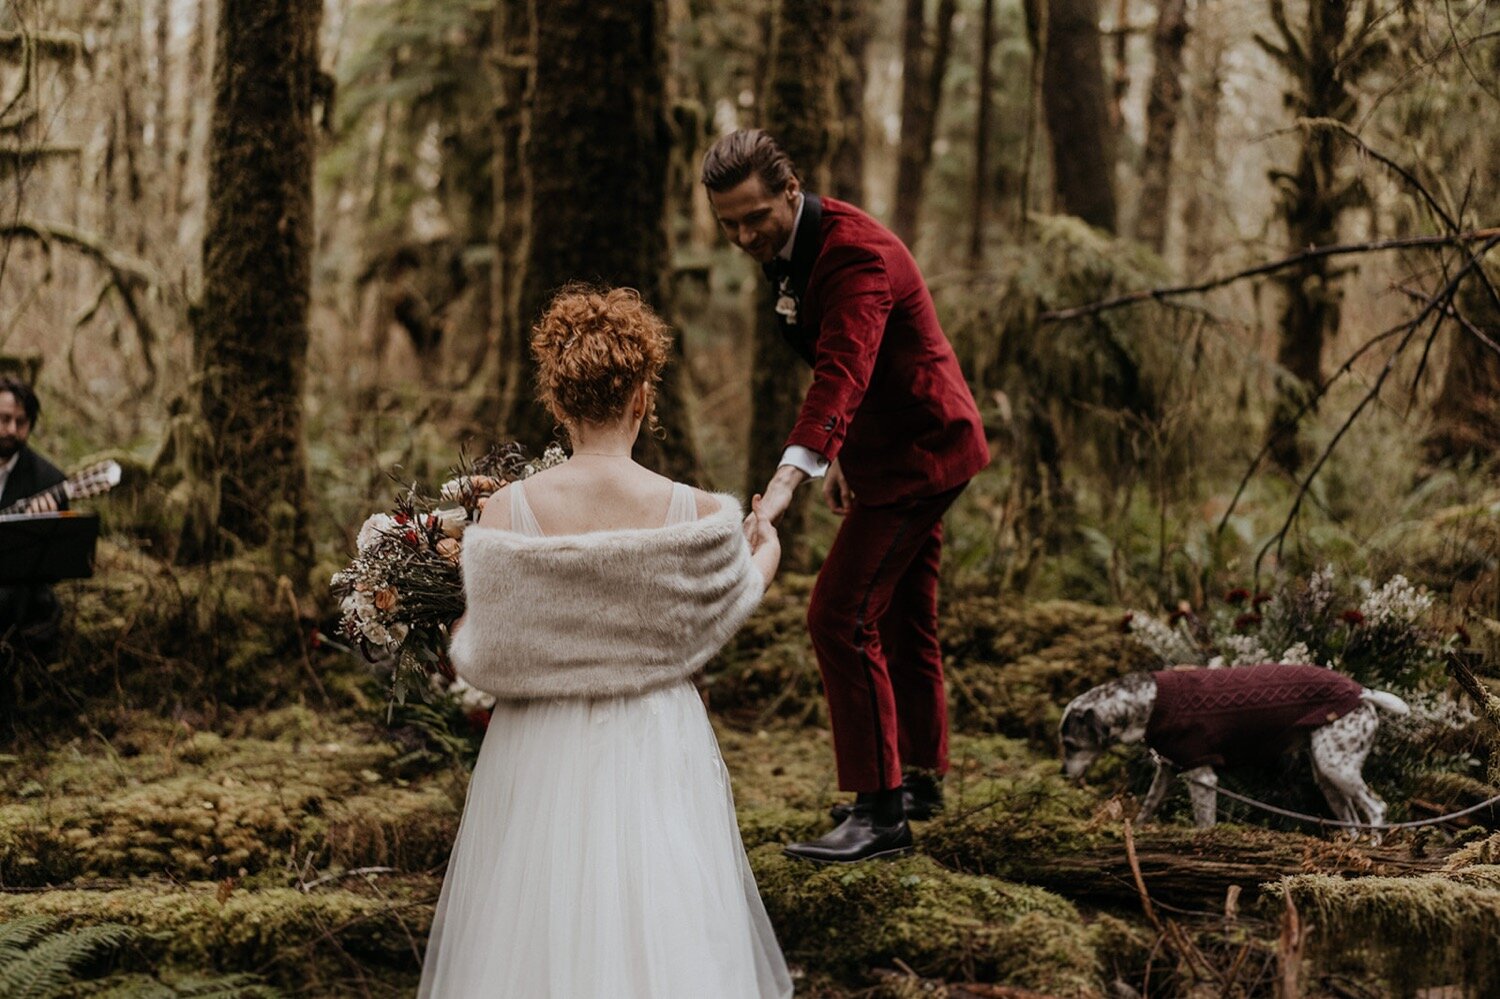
<point>979,205</point>
<point>855,26</point>
<point>922,73</point>
<point>1162,106</point>
<point>1075,101</point>
<point>250,329</point>
<point>597,155</point>
<point>799,100</point>
<point>1323,61</point>
<point>504,366</point>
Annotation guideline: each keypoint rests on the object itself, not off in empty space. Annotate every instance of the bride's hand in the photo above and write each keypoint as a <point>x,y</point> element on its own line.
<point>759,530</point>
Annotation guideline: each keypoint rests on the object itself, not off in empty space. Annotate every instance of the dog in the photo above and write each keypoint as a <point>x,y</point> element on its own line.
<point>1194,719</point>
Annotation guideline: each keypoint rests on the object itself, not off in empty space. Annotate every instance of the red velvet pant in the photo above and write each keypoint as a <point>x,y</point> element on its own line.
<point>873,623</point>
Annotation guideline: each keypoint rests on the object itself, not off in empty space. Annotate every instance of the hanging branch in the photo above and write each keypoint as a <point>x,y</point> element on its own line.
<point>128,275</point>
<point>1312,253</point>
<point>1435,309</point>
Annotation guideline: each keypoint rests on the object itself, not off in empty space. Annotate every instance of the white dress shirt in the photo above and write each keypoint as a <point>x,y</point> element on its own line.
<point>805,458</point>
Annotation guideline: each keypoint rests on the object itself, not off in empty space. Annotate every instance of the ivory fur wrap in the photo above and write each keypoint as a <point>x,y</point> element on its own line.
<point>602,614</point>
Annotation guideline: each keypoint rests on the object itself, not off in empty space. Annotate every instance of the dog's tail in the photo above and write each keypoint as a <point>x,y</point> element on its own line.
<point>1386,701</point>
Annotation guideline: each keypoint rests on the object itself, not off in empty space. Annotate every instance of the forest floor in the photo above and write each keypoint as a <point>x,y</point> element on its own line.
<point>306,847</point>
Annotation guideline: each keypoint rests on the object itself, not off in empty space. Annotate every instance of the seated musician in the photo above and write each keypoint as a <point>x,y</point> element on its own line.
<point>28,612</point>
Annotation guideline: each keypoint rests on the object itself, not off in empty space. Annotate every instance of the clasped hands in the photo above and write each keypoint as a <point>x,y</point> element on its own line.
<point>766,509</point>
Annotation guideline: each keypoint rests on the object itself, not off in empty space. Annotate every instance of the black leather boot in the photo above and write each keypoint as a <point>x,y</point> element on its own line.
<point>858,837</point>
<point>921,793</point>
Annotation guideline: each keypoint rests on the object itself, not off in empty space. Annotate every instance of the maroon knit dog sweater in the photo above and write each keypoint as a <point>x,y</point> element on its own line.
<point>1241,714</point>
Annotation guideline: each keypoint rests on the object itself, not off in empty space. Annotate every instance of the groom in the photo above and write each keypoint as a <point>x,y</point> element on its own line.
<point>890,426</point>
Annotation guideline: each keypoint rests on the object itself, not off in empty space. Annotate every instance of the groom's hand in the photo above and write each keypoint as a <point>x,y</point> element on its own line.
<point>778,494</point>
<point>836,489</point>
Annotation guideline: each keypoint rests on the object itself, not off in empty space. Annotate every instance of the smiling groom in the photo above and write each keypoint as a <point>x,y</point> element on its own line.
<point>890,426</point>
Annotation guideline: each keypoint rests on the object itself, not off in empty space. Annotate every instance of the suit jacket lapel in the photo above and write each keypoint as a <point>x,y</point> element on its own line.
<point>805,249</point>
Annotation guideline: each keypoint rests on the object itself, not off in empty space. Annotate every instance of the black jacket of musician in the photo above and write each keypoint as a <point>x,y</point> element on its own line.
<point>32,474</point>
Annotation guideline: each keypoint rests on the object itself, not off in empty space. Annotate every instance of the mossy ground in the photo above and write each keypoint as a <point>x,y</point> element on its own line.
<point>304,845</point>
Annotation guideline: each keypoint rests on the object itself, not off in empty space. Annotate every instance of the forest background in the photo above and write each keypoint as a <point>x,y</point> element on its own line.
<point>278,256</point>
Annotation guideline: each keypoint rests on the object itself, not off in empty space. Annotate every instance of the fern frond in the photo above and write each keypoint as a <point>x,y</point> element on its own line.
<point>54,962</point>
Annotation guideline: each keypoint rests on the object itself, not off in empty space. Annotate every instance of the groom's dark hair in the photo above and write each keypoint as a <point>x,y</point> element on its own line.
<point>737,155</point>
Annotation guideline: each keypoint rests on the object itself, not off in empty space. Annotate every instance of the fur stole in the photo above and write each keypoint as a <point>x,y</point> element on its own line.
<point>602,614</point>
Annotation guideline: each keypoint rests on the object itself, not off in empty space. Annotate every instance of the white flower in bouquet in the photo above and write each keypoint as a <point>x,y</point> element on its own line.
<point>1172,645</point>
<point>375,528</point>
<point>452,520</point>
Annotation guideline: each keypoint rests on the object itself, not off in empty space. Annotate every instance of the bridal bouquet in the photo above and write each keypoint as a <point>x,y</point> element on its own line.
<point>404,588</point>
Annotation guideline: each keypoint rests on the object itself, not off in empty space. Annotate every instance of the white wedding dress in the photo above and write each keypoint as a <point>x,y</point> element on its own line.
<point>599,856</point>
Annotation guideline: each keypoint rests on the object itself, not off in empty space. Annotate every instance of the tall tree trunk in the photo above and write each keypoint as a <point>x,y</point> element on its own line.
<point>250,331</point>
<point>980,206</point>
<point>597,160</point>
<point>1466,412</point>
<point>1324,63</point>
<point>798,104</point>
<point>506,353</point>
<point>1076,102</point>
<point>922,74</point>
<point>855,26</point>
<point>1162,104</point>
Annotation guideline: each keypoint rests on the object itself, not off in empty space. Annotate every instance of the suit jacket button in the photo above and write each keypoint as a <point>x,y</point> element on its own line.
<point>828,425</point>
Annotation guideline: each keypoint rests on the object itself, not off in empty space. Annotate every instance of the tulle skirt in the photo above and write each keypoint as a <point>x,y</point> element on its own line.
<point>598,856</point>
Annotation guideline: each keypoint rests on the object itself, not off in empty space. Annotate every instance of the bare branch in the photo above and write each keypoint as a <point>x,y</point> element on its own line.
<point>64,45</point>
<point>129,275</point>
<point>1312,253</point>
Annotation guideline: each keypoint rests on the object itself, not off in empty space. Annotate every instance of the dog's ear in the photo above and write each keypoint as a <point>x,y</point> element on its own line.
<point>1095,725</point>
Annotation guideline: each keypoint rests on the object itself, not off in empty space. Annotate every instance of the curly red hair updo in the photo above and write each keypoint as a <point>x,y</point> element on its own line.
<point>593,346</point>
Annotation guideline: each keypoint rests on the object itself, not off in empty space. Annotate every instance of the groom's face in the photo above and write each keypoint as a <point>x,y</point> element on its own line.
<point>754,219</point>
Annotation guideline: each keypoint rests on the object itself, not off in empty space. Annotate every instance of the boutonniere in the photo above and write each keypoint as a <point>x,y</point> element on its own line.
<point>786,304</point>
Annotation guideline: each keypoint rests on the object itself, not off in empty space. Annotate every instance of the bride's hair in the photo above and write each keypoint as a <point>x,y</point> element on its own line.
<point>593,346</point>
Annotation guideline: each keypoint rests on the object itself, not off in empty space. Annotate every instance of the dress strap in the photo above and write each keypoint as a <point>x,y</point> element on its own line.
<point>522,520</point>
<point>684,506</point>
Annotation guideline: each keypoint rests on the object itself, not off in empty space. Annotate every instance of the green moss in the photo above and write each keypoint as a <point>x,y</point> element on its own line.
<point>202,805</point>
<point>1432,930</point>
<point>847,920</point>
<point>292,937</point>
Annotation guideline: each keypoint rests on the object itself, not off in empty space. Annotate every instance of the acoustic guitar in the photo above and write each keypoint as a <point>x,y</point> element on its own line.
<point>97,478</point>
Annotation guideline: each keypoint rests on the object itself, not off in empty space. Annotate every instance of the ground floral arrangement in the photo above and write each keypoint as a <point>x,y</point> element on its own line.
<point>403,590</point>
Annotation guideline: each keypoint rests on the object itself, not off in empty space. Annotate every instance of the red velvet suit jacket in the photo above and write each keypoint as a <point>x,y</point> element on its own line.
<point>887,396</point>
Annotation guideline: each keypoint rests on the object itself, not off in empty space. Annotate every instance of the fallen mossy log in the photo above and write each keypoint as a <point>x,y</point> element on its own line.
<point>845,921</point>
<point>1430,931</point>
<point>1187,868</point>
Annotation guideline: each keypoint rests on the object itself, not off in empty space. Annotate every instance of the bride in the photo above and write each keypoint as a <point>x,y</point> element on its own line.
<point>598,853</point>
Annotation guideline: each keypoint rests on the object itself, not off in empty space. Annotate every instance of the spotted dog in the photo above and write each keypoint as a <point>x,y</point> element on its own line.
<point>1195,719</point>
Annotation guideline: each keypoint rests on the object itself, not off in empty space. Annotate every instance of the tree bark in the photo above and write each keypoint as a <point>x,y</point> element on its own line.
<point>1076,103</point>
<point>1162,105</point>
<point>1466,412</point>
<point>798,104</point>
<point>597,160</point>
<point>922,74</point>
<point>250,330</point>
<point>855,26</point>
<point>506,353</point>
<point>980,206</point>
<point>1324,65</point>
<point>913,100</point>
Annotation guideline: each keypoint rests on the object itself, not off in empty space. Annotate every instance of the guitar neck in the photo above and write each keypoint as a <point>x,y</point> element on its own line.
<point>57,492</point>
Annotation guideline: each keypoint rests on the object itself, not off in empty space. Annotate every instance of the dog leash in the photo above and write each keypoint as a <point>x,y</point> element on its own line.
<point>1319,820</point>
